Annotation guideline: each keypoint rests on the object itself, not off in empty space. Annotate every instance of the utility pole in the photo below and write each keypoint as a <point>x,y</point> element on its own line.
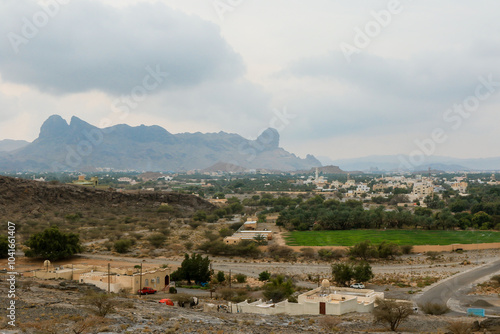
<point>109,277</point>
<point>140,282</point>
<point>229,278</point>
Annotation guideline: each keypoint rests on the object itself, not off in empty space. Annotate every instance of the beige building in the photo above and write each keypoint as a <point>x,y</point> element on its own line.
<point>157,279</point>
<point>119,278</point>
<point>422,189</point>
<point>247,235</point>
<point>461,187</point>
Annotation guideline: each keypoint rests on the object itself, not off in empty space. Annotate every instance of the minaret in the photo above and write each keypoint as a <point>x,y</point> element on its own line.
<point>317,175</point>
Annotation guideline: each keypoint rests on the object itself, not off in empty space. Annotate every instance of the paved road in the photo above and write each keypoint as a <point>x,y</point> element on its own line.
<point>451,287</point>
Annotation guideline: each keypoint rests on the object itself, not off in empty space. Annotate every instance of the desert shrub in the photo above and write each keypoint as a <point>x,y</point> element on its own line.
<point>241,296</point>
<point>308,253</point>
<point>172,290</point>
<point>329,322</point>
<point>392,312</point>
<point>240,278</point>
<point>182,299</point>
<point>165,208</point>
<point>194,224</point>
<point>108,245</point>
<point>157,239</point>
<point>432,255</point>
<point>189,245</point>
<point>264,276</point>
<point>363,250</point>
<point>122,245</point>
<point>226,293</point>
<point>434,308</point>
<point>406,249</point>
<point>496,279</point>
<point>101,303</point>
<point>211,236</point>
<point>225,232</point>
<point>245,248</point>
<point>330,254</point>
<point>388,250</point>
<point>459,327</point>
<point>280,251</point>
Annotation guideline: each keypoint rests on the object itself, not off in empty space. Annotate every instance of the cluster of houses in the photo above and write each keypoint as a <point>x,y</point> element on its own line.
<point>418,187</point>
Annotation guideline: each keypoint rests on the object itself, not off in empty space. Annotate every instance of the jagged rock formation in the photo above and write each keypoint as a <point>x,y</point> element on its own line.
<point>82,146</point>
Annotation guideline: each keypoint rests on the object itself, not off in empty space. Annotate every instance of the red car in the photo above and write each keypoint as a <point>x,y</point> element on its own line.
<point>146,291</point>
<point>166,302</point>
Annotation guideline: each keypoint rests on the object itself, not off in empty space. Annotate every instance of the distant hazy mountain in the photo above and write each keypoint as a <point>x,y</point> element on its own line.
<point>8,145</point>
<point>82,146</point>
<point>401,162</point>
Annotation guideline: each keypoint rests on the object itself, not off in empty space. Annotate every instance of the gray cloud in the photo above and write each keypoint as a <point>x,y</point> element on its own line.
<point>444,76</point>
<point>87,46</point>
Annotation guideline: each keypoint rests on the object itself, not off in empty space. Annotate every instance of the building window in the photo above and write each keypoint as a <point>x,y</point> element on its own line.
<point>157,280</point>
<point>146,282</point>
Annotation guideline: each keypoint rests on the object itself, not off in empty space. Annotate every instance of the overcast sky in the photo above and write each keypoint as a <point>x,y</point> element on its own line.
<point>339,79</point>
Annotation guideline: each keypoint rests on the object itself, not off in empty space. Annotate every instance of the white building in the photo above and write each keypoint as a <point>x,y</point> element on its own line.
<point>322,300</point>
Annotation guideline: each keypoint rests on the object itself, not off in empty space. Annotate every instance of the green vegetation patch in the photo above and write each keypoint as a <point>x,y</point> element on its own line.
<point>400,237</point>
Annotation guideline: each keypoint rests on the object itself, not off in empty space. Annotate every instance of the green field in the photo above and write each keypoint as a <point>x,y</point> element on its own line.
<point>401,237</point>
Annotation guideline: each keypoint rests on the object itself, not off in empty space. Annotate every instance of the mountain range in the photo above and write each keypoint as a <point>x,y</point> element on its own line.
<point>8,145</point>
<point>81,146</point>
<point>403,163</point>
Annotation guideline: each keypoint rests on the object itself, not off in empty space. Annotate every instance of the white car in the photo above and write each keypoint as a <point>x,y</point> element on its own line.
<point>357,286</point>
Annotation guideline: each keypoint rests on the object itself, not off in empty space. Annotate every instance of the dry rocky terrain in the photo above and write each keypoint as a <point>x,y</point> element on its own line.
<point>60,307</point>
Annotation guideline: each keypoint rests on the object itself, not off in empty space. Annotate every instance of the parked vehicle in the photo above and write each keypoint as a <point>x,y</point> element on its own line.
<point>166,302</point>
<point>358,286</point>
<point>146,291</point>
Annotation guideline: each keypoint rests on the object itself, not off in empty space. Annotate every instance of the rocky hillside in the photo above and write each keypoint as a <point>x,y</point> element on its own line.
<point>82,146</point>
<point>32,196</point>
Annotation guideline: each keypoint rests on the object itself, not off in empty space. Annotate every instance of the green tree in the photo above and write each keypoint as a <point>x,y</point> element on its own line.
<point>278,289</point>
<point>342,273</point>
<point>194,268</point>
<point>481,219</point>
<point>363,272</point>
<point>221,277</point>
<point>53,244</point>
